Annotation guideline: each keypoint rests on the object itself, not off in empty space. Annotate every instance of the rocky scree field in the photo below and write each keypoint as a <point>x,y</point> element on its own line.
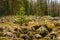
<point>38,28</point>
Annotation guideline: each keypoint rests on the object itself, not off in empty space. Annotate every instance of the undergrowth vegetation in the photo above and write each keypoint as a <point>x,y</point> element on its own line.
<point>21,19</point>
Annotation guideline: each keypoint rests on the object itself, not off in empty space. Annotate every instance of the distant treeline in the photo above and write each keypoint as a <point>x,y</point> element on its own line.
<point>26,7</point>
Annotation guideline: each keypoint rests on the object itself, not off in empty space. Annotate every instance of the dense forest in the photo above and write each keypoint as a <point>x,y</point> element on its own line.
<point>30,7</point>
<point>29,20</point>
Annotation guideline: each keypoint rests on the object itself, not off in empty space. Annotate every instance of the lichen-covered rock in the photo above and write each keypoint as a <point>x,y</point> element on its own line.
<point>42,31</point>
<point>44,28</point>
<point>38,36</point>
<point>1,33</point>
<point>49,24</point>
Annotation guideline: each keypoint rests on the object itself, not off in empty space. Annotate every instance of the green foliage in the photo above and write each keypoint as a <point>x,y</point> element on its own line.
<point>20,15</point>
<point>21,11</point>
<point>21,19</point>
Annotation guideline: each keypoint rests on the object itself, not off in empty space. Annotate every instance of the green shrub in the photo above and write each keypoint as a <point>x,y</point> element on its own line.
<point>21,19</point>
